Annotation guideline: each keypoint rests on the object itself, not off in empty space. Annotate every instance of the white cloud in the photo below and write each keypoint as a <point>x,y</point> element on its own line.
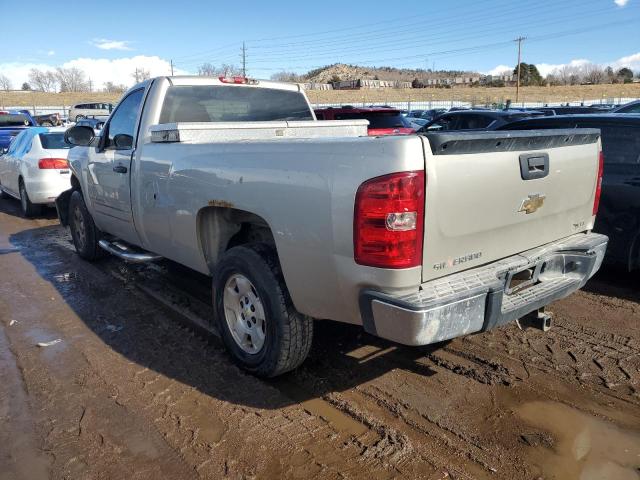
<point>621,3</point>
<point>51,53</point>
<point>106,44</point>
<point>99,70</point>
<point>546,68</point>
<point>499,70</point>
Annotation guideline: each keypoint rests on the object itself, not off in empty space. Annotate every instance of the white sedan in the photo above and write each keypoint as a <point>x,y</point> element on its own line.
<point>35,169</point>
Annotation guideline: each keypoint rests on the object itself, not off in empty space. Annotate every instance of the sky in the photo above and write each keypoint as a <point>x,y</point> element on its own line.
<point>108,41</point>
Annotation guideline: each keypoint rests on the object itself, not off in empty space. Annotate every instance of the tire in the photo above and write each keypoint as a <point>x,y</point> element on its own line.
<point>286,335</point>
<point>27,208</point>
<point>84,232</point>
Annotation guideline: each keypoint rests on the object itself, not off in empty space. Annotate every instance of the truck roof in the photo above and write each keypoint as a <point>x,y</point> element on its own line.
<point>207,80</point>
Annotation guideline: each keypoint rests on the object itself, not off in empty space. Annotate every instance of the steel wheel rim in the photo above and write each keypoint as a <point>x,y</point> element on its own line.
<point>78,222</point>
<point>244,314</point>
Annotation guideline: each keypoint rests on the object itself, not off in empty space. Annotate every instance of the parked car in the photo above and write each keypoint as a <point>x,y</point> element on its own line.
<point>81,110</point>
<point>619,216</point>
<point>417,123</point>
<point>475,120</point>
<point>35,170</point>
<point>573,110</point>
<point>631,107</point>
<point>95,123</point>
<point>296,219</point>
<point>382,120</point>
<point>11,124</point>
<point>49,120</point>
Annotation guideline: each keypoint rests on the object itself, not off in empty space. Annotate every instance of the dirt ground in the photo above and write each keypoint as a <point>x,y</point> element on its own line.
<point>138,387</point>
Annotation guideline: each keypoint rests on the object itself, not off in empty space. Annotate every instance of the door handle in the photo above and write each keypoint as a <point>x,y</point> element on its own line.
<point>120,169</point>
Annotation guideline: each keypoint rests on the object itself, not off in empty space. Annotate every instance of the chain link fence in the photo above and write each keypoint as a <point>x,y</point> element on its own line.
<point>408,105</point>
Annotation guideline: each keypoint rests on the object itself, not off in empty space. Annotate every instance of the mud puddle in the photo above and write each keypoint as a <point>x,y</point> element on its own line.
<point>581,447</point>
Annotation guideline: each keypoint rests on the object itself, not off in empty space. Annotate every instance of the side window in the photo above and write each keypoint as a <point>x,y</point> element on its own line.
<point>443,123</point>
<point>123,120</point>
<point>634,109</point>
<point>473,122</point>
<point>621,144</point>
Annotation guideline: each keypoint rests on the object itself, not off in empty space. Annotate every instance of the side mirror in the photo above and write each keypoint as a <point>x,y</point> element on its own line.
<point>79,136</point>
<point>123,141</point>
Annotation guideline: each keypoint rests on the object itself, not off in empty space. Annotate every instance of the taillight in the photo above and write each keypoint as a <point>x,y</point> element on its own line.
<point>53,163</point>
<point>389,221</point>
<point>596,200</point>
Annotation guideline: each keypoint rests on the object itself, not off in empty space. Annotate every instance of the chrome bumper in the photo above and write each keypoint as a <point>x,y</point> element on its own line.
<point>484,297</point>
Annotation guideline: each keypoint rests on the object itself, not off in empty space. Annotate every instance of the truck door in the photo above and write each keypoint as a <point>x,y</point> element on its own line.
<point>110,169</point>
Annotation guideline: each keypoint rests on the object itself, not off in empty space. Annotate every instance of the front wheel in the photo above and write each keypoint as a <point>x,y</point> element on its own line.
<point>257,320</point>
<point>28,209</point>
<point>84,232</point>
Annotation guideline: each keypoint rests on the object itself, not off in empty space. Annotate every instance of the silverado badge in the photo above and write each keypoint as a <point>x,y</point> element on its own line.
<point>533,203</point>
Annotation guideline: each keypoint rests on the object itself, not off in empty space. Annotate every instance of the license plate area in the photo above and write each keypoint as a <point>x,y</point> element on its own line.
<point>519,280</point>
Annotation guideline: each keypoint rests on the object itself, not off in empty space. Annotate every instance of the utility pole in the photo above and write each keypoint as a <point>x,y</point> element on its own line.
<point>171,61</point>
<point>519,40</point>
<point>244,60</point>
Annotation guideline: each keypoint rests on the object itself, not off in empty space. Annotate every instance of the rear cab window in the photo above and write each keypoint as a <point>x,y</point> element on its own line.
<point>225,103</point>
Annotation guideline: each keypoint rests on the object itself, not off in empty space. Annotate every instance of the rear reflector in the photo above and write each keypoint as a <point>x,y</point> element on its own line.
<point>388,221</point>
<point>596,200</point>
<point>53,163</point>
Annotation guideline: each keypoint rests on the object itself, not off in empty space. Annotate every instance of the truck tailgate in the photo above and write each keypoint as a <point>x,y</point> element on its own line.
<point>492,195</point>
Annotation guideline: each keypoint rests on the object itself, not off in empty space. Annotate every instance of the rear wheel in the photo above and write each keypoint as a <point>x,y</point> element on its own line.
<point>84,232</point>
<point>28,209</point>
<point>257,320</point>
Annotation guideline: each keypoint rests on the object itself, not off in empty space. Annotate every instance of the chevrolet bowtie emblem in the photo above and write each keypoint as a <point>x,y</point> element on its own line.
<point>531,204</point>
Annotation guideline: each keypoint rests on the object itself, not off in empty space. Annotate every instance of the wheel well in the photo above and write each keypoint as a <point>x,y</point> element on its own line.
<point>75,183</point>
<point>222,228</point>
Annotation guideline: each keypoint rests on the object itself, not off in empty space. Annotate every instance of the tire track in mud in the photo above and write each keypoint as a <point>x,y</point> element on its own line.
<point>401,437</point>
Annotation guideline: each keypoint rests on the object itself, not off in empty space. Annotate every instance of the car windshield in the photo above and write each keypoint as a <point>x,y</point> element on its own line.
<point>14,120</point>
<point>391,119</point>
<point>53,141</point>
<point>210,103</point>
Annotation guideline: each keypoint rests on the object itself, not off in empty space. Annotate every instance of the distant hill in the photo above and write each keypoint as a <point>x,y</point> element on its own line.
<point>351,72</point>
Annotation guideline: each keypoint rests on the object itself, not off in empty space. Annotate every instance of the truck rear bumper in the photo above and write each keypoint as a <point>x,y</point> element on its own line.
<point>484,297</point>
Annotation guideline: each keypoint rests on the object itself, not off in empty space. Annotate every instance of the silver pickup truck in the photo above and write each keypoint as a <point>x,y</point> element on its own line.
<point>419,238</point>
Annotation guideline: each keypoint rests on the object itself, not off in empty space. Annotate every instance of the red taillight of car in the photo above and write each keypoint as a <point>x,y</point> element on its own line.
<point>596,200</point>
<point>389,221</point>
<point>53,163</point>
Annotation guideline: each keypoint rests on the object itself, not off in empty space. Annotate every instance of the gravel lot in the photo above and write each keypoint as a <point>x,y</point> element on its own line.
<point>139,387</point>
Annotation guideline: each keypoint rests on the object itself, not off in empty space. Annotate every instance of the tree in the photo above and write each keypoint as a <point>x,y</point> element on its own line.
<point>43,81</point>
<point>593,74</point>
<point>610,76</point>
<point>529,75</point>
<point>140,75</point>
<point>335,78</point>
<point>111,87</point>
<point>72,80</point>
<point>207,70</point>
<point>625,75</point>
<point>26,86</point>
<point>285,76</point>
<point>5,83</point>
<point>416,83</point>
